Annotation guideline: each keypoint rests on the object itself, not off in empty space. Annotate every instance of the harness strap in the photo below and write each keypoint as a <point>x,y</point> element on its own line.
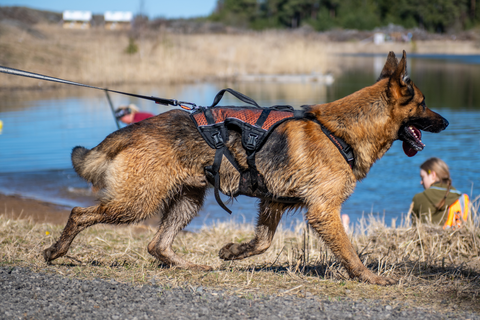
<point>238,95</point>
<point>298,114</point>
<point>253,169</point>
<point>221,150</point>
<point>209,116</point>
<point>344,148</point>
<point>262,118</point>
<point>214,170</point>
<point>252,150</point>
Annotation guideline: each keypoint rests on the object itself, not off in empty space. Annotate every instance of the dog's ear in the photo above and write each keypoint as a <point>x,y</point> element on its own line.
<point>400,83</point>
<point>390,66</point>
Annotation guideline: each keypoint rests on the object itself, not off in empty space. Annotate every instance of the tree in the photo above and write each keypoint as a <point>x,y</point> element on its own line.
<point>236,12</point>
<point>433,15</point>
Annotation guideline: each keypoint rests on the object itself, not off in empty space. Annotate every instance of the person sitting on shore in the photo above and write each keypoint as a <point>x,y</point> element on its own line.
<point>131,114</point>
<point>432,205</point>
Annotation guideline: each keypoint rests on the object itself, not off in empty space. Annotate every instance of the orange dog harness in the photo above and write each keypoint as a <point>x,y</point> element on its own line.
<point>255,124</point>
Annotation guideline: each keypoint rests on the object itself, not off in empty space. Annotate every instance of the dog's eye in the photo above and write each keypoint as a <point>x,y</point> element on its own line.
<point>423,105</point>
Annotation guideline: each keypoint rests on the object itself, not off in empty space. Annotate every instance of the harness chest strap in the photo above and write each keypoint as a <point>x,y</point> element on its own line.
<point>344,148</point>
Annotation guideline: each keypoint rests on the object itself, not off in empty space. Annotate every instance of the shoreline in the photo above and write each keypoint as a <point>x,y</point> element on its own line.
<point>20,208</point>
<point>17,207</point>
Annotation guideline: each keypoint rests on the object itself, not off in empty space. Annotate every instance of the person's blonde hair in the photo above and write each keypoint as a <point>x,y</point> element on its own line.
<point>131,106</point>
<point>440,168</point>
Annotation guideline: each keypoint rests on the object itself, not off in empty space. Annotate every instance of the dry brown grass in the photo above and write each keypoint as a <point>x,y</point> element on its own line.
<point>435,268</point>
<point>98,57</point>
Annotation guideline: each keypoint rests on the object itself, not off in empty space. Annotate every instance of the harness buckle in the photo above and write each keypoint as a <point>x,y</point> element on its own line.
<point>252,141</point>
<point>217,139</point>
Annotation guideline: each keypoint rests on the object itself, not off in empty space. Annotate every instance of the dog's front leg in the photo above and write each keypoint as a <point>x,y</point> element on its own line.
<point>330,228</point>
<point>269,216</point>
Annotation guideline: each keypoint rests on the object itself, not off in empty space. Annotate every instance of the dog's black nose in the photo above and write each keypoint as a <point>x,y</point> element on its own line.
<point>445,123</point>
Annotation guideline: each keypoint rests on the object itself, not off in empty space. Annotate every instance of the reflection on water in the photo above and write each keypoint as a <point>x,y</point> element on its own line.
<point>40,129</point>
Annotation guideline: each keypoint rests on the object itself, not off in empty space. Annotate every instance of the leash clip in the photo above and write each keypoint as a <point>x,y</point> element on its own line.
<point>186,105</point>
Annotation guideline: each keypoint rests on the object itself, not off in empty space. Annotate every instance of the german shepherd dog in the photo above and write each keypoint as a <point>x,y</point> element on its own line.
<point>156,167</point>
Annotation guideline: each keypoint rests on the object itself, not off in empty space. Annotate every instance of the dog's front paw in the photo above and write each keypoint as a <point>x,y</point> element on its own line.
<point>200,267</point>
<point>378,280</point>
<point>230,251</point>
<point>48,254</point>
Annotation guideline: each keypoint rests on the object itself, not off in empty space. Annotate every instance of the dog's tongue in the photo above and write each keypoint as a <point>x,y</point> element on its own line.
<point>407,148</point>
<point>409,151</point>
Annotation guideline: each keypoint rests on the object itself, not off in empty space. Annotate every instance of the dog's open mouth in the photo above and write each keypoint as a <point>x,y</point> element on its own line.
<point>412,140</point>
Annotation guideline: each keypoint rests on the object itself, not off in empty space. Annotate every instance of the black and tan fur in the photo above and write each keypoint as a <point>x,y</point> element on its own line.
<point>156,167</point>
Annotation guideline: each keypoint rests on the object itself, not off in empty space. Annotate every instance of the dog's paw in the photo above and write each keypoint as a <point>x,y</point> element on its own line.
<point>230,251</point>
<point>48,254</point>
<point>378,280</point>
<point>200,267</point>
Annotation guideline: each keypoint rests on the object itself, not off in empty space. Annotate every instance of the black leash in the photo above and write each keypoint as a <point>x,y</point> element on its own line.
<point>165,102</point>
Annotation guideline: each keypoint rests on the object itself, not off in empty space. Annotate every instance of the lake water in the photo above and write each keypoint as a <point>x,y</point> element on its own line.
<point>40,128</point>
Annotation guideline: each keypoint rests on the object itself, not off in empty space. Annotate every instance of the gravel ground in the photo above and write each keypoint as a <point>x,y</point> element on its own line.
<point>29,295</point>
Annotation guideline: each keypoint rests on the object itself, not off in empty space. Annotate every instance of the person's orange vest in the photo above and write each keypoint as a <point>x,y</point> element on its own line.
<point>457,213</point>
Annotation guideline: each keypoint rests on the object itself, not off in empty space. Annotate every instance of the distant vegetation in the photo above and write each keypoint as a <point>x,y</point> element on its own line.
<point>438,16</point>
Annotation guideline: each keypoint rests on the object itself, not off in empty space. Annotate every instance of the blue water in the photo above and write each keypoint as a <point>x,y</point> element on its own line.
<point>40,129</point>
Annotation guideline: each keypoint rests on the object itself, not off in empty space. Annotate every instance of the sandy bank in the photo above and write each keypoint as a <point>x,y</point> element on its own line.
<point>17,207</point>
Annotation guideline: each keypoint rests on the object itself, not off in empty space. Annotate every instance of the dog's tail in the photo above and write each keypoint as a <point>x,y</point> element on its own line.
<point>90,165</point>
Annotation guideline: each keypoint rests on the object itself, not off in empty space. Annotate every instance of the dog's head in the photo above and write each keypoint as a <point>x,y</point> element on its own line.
<point>408,106</point>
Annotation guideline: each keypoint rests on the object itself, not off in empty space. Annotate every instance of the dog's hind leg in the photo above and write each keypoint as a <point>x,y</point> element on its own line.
<point>80,218</point>
<point>268,219</point>
<point>329,226</point>
<point>180,212</point>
